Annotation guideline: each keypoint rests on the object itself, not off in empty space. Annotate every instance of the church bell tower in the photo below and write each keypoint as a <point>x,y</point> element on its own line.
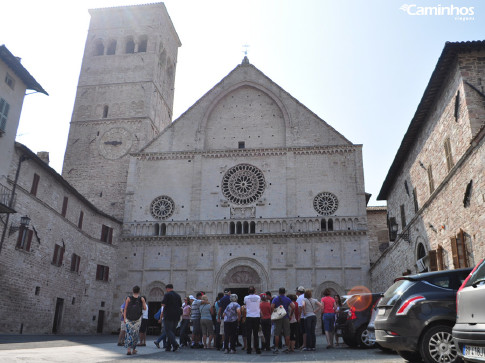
<point>124,98</point>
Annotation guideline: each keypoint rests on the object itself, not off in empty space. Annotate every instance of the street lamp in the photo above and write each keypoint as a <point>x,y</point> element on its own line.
<point>404,236</point>
<point>24,222</point>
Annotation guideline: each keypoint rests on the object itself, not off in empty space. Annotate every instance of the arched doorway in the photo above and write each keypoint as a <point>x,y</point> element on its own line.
<point>240,273</point>
<point>156,291</point>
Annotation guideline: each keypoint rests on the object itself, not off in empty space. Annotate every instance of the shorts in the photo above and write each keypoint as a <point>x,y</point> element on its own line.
<point>207,327</point>
<point>196,329</point>
<point>329,321</point>
<point>282,325</point>
<point>144,325</point>
<point>123,326</point>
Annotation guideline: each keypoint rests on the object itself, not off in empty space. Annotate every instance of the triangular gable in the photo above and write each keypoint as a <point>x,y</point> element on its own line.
<point>294,124</point>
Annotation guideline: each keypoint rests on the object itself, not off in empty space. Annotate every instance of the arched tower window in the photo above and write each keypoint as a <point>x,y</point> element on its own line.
<point>323,225</point>
<point>163,229</point>
<point>99,47</point>
<point>238,228</point>
<point>330,224</point>
<point>130,46</point>
<point>252,227</point>
<point>142,44</point>
<point>105,111</point>
<point>246,228</point>
<point>111,47</point>
<point>232,228</point>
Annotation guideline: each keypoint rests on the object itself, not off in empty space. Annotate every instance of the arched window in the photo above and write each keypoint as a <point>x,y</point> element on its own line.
<point>238,228</point>
<point>130,46</point>
<point>163,229</point>
<point>156,230</point>
<point>142,44</point>
<point>246,228</point>
<point>421,251</point>
<point>252,227</point>
<point>99,47</point>
<point>330,224</point>
<point>105,111</point>
<point>323,225</point>
<point>111,47</point>
<point>232,228</point>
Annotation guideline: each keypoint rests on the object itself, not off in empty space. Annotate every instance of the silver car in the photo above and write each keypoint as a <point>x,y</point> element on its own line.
<point>469,330</point>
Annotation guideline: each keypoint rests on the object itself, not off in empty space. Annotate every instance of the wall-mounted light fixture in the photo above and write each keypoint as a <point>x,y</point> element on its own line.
<point>405,236</point>
<point>24,222</point>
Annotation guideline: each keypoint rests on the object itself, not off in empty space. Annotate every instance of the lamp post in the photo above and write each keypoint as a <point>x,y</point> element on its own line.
<point>404,236</point>
<point>22,158</point>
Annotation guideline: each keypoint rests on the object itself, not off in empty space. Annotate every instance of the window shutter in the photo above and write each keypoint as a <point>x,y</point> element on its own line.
<point>106,273</point>
<point>19,238</point>
<point>110,235</point>
<point>441,265</point>
<point>98,273</point>
<point>454,252</point>
<point>56,251</point>
<point>462,252</point>
<point>61,255</point>
<point>432,258</point>
<point>78,262</point>
<point>73,262</point>
<point>29,239</point>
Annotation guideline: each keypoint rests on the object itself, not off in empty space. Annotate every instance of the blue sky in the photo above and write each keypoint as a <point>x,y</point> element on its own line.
<point>362,66</point>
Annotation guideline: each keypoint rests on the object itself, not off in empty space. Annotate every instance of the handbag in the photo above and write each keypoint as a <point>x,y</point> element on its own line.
<point>278,313</point>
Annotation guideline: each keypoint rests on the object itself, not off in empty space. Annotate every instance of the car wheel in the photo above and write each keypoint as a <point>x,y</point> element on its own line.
<point>437,346</point>
<point>363,338</point>
<point>410,356</point>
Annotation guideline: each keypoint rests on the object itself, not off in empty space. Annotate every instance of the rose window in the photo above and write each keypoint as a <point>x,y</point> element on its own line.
<point>325,203</point>
<point>243,184</point>
<point>162,207</point>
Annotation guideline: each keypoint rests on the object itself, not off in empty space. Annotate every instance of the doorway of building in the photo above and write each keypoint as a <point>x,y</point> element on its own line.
<point>99,328</point>
<point>58,315</point>
<point>153,327</point>
<point>241,292</point>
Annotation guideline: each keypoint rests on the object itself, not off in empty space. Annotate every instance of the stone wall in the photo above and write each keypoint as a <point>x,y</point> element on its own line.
<point>33,284</point>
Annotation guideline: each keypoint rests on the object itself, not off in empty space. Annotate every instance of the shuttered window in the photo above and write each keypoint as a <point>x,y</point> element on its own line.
<point>430,180</point>
<point>106,234</point>
<point>35,185</point>
<point>4,107</point>
<point>448,154</point>
<point>75,261</point>
<point>403,217</point>
<point>58,255</point>
<point>432,260</point>
<point>415,200</point>
<point>24,238</point>
<point>102,273</point>
<point>81,218</point>
<point>64,206</point>
<point>458,250</point>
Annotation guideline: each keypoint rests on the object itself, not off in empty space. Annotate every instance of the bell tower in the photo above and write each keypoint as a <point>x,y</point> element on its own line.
<point>124,98</point>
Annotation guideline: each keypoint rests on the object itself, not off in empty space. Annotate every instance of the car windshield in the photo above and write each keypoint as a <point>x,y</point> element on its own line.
<point>478,276</point>
<point>395,291</point>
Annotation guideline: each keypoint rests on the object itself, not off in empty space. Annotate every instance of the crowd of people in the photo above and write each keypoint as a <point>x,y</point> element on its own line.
<point>284,322</point>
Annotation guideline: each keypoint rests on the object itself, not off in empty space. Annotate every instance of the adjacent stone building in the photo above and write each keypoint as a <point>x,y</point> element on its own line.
<point>435,188</point>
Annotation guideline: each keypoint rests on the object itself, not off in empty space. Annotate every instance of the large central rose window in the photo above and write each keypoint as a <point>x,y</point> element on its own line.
<point>243,184</point>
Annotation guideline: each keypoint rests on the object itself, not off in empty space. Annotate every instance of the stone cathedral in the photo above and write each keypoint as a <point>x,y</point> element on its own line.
<point>247,187</point>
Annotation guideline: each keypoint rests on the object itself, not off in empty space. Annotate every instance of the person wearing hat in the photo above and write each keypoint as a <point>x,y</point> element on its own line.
<point>300,291</point>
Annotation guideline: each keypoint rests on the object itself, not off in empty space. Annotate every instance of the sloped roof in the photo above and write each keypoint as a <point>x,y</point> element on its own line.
<point>432,91</point>
<point>14,64</point>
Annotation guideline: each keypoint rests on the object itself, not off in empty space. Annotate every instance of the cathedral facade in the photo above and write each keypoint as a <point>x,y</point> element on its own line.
<point>247,187</point>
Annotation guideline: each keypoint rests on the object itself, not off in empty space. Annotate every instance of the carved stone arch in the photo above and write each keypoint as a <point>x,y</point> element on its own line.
<point>336,289</point>
<point>224,93</point>
<point>155,291</point>
<point>251,273</point>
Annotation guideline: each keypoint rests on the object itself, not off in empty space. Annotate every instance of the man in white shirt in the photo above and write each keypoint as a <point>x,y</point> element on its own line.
<point>253,315</point>
<point>300,293</point>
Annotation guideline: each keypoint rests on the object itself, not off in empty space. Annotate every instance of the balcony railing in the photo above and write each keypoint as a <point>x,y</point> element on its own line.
<point>5,196</point>
<point>243,226</point>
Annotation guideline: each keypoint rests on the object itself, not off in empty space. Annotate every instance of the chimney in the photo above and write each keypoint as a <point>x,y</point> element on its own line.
<point>44,156</point>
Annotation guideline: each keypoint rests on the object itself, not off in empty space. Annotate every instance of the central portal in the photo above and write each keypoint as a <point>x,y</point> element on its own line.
<point>238,274</point>
<point>241,292</point>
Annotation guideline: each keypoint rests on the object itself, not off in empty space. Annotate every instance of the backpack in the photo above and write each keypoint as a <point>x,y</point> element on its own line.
<point>134,309</point>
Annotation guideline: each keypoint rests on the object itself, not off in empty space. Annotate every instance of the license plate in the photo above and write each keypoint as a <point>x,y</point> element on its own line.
<point>381,311</point>
<point>470,351</point>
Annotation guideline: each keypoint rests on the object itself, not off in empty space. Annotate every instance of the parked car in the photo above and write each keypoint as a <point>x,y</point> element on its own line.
<point>469,330</point>
<point>357,311</point>
<point>371,327</point>
<point>417,313</point>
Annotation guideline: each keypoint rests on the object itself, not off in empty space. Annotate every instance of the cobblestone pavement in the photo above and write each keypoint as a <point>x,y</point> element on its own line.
<point>91,349</point>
